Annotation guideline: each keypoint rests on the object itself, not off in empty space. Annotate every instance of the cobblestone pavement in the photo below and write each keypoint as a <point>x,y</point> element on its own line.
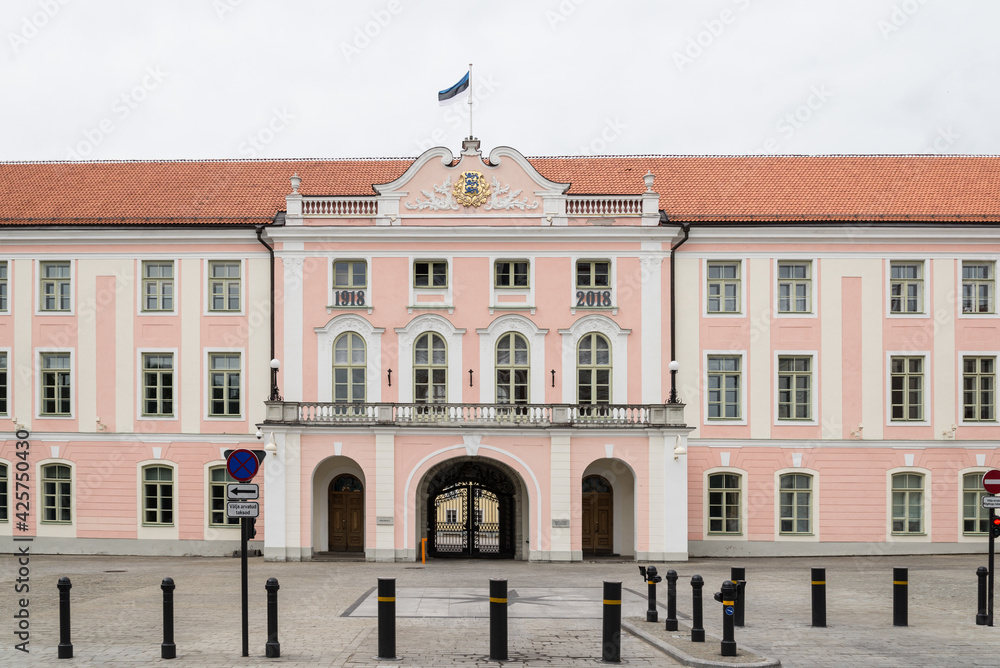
<point>117,612</point>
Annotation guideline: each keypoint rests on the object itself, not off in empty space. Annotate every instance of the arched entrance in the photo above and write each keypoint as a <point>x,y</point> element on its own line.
<point>347,514</point>
<point>598,515</point>
<point>470,511</point>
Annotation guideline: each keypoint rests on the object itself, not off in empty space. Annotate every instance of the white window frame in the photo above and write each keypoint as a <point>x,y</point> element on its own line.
<point>140,293</point>
<point>38,286</point>
<point>617,337</point>
<point>10,395</point>
<point>330,297</point>
<point>56,529</point>
<point>407,336</point>
<point>813,389</point>
<point>207,388</point>
<point>742,354</point>
<point>926,288</point>
<point>157,531</point>
<point>207,286</point>
<point>325,338</point>
<point>814,508</point>
<point>209,527</point>
<point>703,288</point>
<point>488,337</point>
<point>743,536</point>
<point>9,265</point>
<point>141,388</point>
<point>38,383</point>
<point>528,292</point>
<point>813,292</point>
<point>960,282</point>
<point>962,536</point>
<point>446,294</point>
<point>927,389</point>
<point>7,523</point>
<point>962,354</point>
<point>612,280</point>
<point>927,509</point>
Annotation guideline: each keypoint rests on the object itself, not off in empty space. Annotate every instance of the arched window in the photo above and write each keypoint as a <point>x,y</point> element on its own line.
<point>349,371</point>
<point>907,503</point>
<point>218,478</point>
<point>158,495</point>
<point>346,483</point>
<point>430,370</point>
<point>596,483</point>
<point>512,369</point>
<point>724,503</point>
<point>975,518</point>
<point>56,497</point>
<point>593,370</point>
<point>795,499</point>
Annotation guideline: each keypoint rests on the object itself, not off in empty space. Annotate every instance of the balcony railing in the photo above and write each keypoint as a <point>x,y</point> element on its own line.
<point>340,206</point>
<point>604,205</point>
<point>471,415</point>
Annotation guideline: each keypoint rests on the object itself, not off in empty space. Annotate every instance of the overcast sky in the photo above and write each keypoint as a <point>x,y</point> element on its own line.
<point>183,79</point>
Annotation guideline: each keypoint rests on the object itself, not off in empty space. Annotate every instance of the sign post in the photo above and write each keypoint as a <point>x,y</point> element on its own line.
<point>243,466</point>
<point>991,483</point>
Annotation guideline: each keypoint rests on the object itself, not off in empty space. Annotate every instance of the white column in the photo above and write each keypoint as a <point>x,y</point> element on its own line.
<point>125,360</point>
<point>561,501</point>
<point>657,498</point>
<point>294,548</point>
<point>189,366</point>
<point>290,376</point>
<point>275,508</point>
<point>758,293</point>
<point>385,495</point>
<point>675,498</point>
<point>655,355</point>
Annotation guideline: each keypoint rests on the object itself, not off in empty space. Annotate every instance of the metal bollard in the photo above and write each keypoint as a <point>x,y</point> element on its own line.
<point>739,577</point>
<point>65,644</point>
<point>728,597</point>
<point>386,618</point>
<point>168,650</point>
<point>671,600</point>
<point>272,649</point>
<point>611,645</point>
<point>899,584</point>
<point>651,579</point>
<point>498,620</point>
<point>819,596</point>
<point>981,615</point>
<point>697,632</point>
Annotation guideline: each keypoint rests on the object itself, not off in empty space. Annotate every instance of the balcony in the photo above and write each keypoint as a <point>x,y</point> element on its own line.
<point>522,416</point>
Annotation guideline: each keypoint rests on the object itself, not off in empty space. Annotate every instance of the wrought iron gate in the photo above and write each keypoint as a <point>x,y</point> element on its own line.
<point>469,519</point>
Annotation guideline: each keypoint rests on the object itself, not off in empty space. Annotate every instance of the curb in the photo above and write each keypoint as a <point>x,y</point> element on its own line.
<point>689,660</point>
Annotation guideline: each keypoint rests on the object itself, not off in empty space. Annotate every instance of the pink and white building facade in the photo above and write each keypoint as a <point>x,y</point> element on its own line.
<point>475,354</point>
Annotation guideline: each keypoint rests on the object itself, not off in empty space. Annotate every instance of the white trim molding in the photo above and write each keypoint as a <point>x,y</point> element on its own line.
<point>453,338</point>
<point>617,337</point>
<point>536,356</point>
<point>325,338</point>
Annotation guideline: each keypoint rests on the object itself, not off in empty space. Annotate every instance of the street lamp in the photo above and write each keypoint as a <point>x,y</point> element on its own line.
<point>673,366</point>
<point>275,393</point>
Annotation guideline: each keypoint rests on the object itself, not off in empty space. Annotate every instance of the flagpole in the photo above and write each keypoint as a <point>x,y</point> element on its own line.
<point>470,100</point>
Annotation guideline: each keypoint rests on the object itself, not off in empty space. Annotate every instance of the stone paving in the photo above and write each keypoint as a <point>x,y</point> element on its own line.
<point>117,612</point>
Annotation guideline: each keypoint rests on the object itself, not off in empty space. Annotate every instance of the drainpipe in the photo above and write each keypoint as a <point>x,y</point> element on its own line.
<point>275,395</point>
<point>686,228</point>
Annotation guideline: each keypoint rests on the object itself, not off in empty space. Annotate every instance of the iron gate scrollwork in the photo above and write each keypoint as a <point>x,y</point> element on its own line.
<point>470,512</point>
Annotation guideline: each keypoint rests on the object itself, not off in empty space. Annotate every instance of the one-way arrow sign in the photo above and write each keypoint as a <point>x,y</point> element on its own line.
<point>242,490</point>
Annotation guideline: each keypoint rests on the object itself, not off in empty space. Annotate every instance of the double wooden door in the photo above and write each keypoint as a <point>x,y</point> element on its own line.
<point>598,514</point>
<point>347,518</point>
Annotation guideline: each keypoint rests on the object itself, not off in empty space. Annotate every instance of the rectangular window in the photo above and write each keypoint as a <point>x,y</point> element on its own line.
<point>157,286</point>
<point>55,287</point>
<point>978,389</point>
<point>977,287</point>
<point>3,493</point>
<point>224,384</point>
<point>430,274</point>
<point>794,388</point>
<point>795,496</point>
<point>794,287</point>
<point>975,518</point>
<point>907,503</point>
<point>723,287</point>
<point>224,286</point>
<point>511,274</point>
<point>724,503</point>
<point>3,287</point>
<point>906,389</point>
<point>724,387</point>
<point>3,382</point>
<point>218,498</point>
<point>593,274</point>
<point>158,495</point>
<point>906,287</point>
<point>56,497</point>
<point>350,274</point>
<point>158,384</point>
<point>451,515</point>
<point>56,384</point>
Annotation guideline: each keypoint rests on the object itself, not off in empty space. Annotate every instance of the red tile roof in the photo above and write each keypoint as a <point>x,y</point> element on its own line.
<point>724,188</point>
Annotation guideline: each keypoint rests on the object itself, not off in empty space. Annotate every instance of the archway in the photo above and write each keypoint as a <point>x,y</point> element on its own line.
<point>346,529</point>
<point>339,485</point>
<point>598,515</point>
<point>608,491</point>
<point>471,506</point>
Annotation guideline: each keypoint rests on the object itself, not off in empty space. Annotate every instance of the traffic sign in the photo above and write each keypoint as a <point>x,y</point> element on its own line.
<point>991,481</point>
<point>242,465</point>
<point>242,509</point>
<point>242,490</point>
<point>991,502</point>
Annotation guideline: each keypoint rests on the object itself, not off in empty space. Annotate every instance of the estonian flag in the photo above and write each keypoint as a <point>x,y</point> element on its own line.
<point>449,95</point>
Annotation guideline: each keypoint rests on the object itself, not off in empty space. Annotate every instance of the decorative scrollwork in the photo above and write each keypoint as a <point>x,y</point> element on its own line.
<point>502,198</point>
<point>439,200</point>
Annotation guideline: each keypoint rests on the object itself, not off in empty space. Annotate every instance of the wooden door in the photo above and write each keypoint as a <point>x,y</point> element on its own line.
<point>597,517</point>
<point>347,515</point>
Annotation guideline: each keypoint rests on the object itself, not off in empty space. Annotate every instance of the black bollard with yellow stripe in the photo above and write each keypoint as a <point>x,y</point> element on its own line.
<point>386,618</point>
<point>498,620</point>
<point>611,646</point>
<point>819,596</point>
<point>899,593</point>
<point>728,598</point>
